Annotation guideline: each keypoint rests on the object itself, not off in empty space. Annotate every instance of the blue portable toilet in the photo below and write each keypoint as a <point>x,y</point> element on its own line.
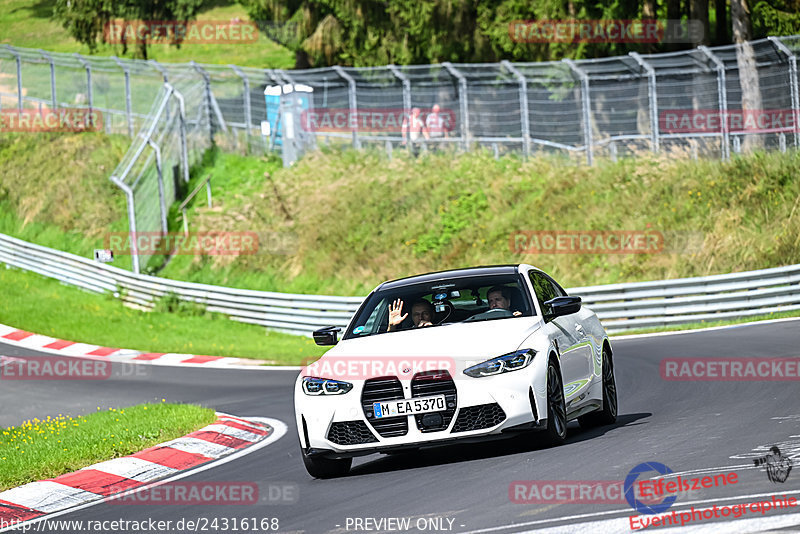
<point>301,99</point>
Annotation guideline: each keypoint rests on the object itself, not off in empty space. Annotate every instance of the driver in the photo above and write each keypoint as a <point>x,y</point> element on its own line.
<point>499,298</point>
<point>421,314</point>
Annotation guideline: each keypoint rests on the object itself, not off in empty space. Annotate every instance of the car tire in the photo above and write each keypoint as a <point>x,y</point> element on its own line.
<point>319,467</point>
<point>556,431</point>
<point>608,415</point>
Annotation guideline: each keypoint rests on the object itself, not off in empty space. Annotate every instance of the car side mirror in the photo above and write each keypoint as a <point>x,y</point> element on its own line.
<point>563,306</point>
<point>327,336</point>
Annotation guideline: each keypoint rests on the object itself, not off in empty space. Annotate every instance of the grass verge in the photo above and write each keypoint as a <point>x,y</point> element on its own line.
<point>39,449</point>
<point>45,306</point>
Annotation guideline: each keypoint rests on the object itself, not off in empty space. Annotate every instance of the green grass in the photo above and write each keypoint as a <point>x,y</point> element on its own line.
<point>29,24</point>
<point>710,324</point>
<point>59,444</point>
<point>43,305</point>
<point>353,220</point>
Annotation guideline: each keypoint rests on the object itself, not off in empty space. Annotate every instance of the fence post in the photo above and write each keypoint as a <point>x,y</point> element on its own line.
<point>247,115</point>
<point>586,105</point>
<point>793,88</point>
<point>406,99</point>
<point>182,122</point>
<point>53,96</point>
<point>88,68</point>
<point>161,196</point>
<point>723,100</point>
<point>128,112</point>
<point>462,101</point>
<point>353,102</point>
<point>131,220</point>
<point>206,97</point>
<point>19,76</point>
<point>652,97</point>
<point>523,106</point>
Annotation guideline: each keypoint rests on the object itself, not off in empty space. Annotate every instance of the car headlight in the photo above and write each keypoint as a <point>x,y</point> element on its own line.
<point>502,364</point>
<point>325,386</point>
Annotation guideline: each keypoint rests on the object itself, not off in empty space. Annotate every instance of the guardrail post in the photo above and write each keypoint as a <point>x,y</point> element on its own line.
<point>49,59</point>
<point>587,110</point>
<point>523,106</point>
<point>462,102</point>
<point>182,127</point>
<point>652,97</point>
<point>88,68</point>
<point>247,116</point>
<point>128,112</point>
<point>793,86</point>
<point>353,101</point>
<point>406,98</point>
<point>211,103</point>
<point>723,100</point>
<point>19,76</point>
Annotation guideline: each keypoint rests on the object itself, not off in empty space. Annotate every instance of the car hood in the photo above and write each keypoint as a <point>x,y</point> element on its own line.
<point>465,341</point>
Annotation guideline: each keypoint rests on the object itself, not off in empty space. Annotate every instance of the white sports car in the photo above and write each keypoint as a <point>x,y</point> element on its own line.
<point>463,355</point>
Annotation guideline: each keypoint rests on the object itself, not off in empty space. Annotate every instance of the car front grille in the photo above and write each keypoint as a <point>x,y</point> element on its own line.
<point>350,433</point>
<point>477,417</point>
<point>428,384</point>
<point>383,389</point>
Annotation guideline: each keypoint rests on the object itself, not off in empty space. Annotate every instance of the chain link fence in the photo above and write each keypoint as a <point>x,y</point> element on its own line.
<point>688,103</point>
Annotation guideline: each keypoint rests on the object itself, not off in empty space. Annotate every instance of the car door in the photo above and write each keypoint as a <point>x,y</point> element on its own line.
<point>576,365</point>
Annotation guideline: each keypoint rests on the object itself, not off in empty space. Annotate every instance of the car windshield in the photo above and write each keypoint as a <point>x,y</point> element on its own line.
<point>442,302</point>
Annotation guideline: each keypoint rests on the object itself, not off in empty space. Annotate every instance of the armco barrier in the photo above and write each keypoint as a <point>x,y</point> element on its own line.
<point>620,306</point>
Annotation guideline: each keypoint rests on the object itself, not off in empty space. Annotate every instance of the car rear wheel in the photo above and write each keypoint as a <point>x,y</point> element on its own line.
<point>608,415</point>
<point>319,467</point>
<point>556,431</point>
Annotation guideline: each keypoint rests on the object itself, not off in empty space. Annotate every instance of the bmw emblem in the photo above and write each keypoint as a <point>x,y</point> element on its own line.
<point>407,370</point>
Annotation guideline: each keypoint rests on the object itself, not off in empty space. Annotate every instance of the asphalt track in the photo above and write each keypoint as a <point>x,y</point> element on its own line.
<point>689,426</point>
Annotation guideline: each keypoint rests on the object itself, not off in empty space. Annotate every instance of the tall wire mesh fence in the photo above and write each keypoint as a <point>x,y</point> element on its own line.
<point>687,102</point>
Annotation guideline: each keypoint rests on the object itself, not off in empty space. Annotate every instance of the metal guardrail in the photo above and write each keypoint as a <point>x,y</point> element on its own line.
<point>621,307</point>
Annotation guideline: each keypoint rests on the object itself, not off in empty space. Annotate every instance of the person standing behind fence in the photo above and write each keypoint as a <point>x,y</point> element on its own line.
<point>413,129</point>
<point>437,129</point>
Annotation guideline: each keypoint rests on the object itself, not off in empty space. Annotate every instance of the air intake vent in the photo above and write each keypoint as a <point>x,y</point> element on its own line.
<point>350,433</point>
<point>477,417</point>
<point>379,390</point>
<point>428,384</point>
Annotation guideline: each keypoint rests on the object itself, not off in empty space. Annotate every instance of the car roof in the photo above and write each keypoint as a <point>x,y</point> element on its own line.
<point>455,273</point>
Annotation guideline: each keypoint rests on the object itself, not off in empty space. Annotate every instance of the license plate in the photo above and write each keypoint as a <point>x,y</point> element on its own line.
<point>409,406</point>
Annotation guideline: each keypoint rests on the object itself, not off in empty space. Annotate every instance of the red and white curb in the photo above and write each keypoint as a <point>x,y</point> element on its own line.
<point>38,342</point>
<point>226,439</point>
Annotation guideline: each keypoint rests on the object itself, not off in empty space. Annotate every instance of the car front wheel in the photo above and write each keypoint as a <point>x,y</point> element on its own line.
<point>319,467</point>
<point>608,415</point>
<point>556,431</point>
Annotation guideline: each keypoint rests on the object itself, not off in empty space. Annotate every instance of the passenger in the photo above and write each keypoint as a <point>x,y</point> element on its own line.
<point>421,314</point>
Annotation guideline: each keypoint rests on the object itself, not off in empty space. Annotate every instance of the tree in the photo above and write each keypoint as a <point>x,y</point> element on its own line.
<point>746,61</point>
<point>87,20</point>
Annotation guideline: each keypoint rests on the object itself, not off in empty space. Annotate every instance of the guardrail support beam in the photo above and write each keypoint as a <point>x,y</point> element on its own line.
<point>19,75</point>
<point>88,67</point>
<point>53,97</point>
<point>246,103</point>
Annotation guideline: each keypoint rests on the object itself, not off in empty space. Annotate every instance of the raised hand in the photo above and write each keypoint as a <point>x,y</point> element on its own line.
<point>395,309</point>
